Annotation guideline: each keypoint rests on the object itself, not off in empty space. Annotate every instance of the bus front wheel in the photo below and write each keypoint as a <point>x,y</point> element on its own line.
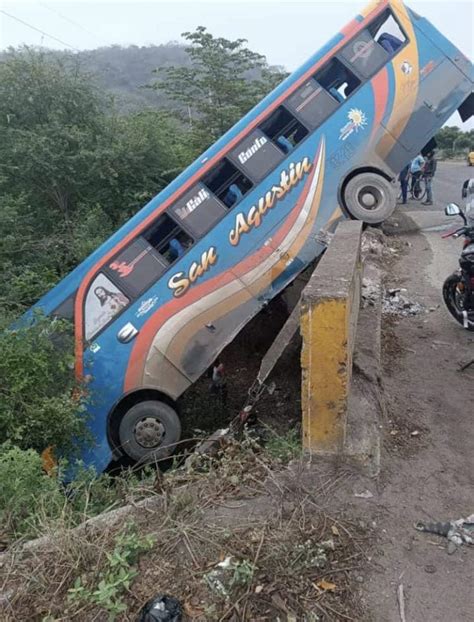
<point>149,431</point>
<point>370,197</point>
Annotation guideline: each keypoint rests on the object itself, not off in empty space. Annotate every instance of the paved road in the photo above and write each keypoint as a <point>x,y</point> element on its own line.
<point>447,185</point>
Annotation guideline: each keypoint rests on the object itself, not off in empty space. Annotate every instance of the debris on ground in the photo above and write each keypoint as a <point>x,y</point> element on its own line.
<point>395,302</point>
<point>457,532</point>
<point>370,292</point>
<point>364,495</point>
<point>401,603</point>
<point>162,608</point>
<point>373,242</point>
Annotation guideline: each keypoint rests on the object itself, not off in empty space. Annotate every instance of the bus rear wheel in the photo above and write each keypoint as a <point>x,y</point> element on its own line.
<point>370,197</point>
<point>149,431</point>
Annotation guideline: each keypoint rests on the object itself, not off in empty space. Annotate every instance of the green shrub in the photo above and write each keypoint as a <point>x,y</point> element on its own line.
<point>27,494</point>
<point>32,502</point>
<point>38,406</point>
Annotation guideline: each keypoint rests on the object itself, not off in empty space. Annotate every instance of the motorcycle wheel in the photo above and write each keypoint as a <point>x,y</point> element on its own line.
<point>453,299</point>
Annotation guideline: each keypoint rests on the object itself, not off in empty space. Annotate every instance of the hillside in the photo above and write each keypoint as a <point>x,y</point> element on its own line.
<point>125,71</point>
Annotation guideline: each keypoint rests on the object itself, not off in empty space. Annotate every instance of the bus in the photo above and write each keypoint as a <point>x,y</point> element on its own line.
<point>157,302</point>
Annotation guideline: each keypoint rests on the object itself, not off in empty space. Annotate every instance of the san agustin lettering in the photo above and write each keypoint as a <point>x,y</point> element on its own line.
<point>181,282</point>
<point>248,153</point>
<point>288,179</point>
<point>191,205</point>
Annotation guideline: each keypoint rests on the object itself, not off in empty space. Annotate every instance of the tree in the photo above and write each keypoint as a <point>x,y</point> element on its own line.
<point>71,169</point>
<point>452,139</point>
<point>224,81</point>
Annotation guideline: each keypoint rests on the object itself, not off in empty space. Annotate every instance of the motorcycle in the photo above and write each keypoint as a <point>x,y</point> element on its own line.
<point>458,288</point>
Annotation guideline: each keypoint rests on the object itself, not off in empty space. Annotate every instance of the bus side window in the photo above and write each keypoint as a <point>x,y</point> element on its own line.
<point>387,33</point>
<point>284,129</point>
<point>103,301</point>
<point>337,79</point>
<point>227,183</point>
<point>168,239</point>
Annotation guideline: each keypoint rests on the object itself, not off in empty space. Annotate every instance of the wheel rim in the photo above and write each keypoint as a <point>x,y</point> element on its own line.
<point>370,197</point>
<point>149,432</point>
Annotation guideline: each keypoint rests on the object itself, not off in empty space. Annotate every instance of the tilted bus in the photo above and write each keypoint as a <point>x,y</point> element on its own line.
<point>156,303</point>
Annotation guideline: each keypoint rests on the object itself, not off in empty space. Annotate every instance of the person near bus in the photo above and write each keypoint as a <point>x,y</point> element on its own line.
<point>428,173</point>
<point>416,170</point>
<point>403,179</point>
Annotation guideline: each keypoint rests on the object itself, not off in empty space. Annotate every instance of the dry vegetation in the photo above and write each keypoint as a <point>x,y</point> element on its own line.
<point>285,556</point>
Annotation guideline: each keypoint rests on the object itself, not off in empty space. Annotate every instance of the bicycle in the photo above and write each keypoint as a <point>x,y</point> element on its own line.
<point>417,190</point>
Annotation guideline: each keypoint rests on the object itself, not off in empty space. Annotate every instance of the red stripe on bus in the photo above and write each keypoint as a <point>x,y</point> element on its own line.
<point>79,343</point>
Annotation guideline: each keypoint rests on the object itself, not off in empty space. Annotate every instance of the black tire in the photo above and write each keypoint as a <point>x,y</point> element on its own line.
<point>149,431</point>
<point>453,299</point>
<point>370,197</point>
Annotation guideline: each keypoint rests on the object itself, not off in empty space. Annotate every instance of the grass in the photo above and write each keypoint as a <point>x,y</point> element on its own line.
<point>241,520</point>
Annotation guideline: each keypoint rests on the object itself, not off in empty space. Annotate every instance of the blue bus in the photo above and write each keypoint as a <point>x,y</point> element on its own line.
<point>157,302</point>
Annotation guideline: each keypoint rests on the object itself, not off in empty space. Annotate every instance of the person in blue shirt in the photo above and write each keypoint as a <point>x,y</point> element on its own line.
<point>416,170</point>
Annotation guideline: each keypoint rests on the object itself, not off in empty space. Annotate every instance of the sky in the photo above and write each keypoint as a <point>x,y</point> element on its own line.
<point>287,33</point>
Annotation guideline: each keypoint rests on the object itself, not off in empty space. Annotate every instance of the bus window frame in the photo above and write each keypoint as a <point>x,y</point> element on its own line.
<point>363,82</point>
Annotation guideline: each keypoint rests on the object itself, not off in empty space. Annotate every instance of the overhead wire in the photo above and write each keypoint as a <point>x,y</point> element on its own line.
<point>45,34</point>
<point>74,23</point>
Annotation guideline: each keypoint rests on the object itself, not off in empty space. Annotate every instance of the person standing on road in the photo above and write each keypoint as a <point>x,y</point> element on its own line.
<point>416,169</point>
<point>403,179</point>
<point>428,173</point>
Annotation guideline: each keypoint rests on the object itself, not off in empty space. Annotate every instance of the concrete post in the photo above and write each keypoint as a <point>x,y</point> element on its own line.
<point>329,312</point>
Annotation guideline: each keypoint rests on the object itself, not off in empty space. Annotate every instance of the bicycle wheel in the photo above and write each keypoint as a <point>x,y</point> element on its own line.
<point>422,191</point>
<point>417,190</point>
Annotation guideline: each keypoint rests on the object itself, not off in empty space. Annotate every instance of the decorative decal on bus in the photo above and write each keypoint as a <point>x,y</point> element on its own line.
<point>181,282</point>
<point>146,305</point>
<point>123,268</point>
<point>288,179</point>
<point>248,153</point>
<point>194,202</point>
<point>357,121</point>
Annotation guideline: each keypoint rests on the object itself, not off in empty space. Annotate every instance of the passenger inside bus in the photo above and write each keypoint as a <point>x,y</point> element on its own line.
<point>389,42</point>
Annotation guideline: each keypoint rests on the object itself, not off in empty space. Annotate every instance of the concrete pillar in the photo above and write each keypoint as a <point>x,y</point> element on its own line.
<point>329,311</point>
